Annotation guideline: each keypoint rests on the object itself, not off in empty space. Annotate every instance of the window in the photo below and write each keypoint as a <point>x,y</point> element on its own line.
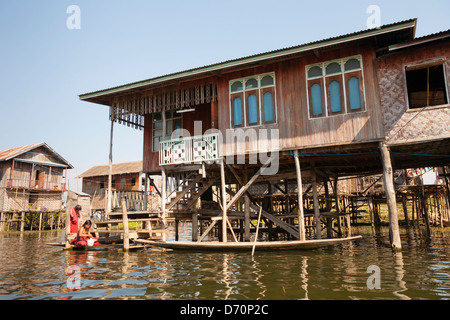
<point>335,87</point>
<point>173,122</point>
<point>426,85</point>
<point>252,101</point>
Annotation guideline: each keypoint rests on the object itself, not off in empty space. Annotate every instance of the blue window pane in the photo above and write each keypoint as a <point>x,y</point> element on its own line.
<point>354,93</point>
<point>237,111</point>
<point>335,96</point>
<point>252,109</point>
<point>316,98</point>
<point>268,106</point>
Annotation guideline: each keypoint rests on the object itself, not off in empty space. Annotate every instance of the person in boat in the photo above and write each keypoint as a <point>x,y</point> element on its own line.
<point>84,234</point>
<point>74,217</point>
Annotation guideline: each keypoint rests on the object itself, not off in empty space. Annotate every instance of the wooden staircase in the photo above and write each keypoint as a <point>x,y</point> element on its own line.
<point>189,191</point>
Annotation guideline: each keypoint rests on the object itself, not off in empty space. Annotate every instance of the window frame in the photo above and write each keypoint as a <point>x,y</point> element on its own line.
<point>422,65</point>
<point>342,78</point>
<point>175,117</point>
<point>259,92</point>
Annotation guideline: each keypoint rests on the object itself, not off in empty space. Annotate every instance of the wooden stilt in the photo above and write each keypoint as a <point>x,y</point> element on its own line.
<point>301,216</point>
<point>388,177</point>
<point>194,226</point>
<point>405,207</point>
<point>224,201</point>
<point>22,221</point>
<point>126,231</point>
<point>163,199</point>
<point>316,202</point>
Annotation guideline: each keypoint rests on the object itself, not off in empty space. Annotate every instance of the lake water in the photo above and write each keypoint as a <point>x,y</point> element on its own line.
<point>364,270</point>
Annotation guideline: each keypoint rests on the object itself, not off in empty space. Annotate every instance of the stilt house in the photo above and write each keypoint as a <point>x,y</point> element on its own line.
<point>32,179</point>
<point>357,104</point>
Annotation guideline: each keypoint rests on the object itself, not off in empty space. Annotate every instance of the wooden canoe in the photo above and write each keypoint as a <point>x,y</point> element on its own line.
<point>247,246</point>
<point>97,248</point>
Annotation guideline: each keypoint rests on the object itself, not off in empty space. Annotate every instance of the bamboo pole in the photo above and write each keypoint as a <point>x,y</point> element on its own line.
<point>388,177</point>
<point>257,231</point>
<point>109,197</point>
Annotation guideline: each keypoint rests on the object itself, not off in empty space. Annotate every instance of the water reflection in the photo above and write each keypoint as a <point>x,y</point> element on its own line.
<point>30,270</point>
<point>399,274</point>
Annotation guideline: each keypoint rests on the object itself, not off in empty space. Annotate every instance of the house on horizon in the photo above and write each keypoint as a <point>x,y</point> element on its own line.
<point>128,179</point>
<point>33,178</point>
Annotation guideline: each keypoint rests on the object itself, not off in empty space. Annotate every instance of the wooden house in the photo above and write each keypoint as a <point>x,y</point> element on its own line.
<point>128,179</point>
<point>356,104</point>
<point>32,179</point>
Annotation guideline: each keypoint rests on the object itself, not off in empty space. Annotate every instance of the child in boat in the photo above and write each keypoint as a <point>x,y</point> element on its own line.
<point>84,234</point>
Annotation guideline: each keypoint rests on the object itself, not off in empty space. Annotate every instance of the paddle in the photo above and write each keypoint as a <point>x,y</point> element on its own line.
<point>257,229</point>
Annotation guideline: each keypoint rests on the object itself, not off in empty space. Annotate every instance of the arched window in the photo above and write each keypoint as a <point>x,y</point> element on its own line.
<point>252,106</point>
<point>316,97</point>
<point>352,64</point>
<point>333,68</point>
<point>354,93</point>
<point>315,72</point>
<point>251,84</point>
<point>268,106</point>
<point>267,81</point>
<point>237,111</point>
<point>236,86</point>
<point>335,96</point>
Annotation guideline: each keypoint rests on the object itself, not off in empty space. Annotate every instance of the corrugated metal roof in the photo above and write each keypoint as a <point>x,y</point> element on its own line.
<point>9,154</point>
<point>117,168</point>
<point>257,57</point>
<point>14,152</point>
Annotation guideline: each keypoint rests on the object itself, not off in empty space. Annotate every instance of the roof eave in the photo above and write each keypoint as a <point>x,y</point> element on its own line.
<point>99,96</point>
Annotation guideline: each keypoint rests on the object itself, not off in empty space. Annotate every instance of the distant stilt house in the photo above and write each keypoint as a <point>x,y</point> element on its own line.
<point>291,120</point>
<point>128,180</point>
<point>32,180</point>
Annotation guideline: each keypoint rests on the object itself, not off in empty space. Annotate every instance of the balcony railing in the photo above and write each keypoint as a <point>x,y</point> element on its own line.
<point>189,150</point>
<point>35,184</point>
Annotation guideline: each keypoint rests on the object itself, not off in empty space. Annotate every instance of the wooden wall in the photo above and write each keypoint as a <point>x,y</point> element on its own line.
<point>401,124</point>
<point>296,130</point>
<point>95,183</point>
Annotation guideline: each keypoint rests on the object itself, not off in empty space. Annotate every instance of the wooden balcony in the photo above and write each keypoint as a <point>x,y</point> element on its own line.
<point>189,150</point>
<point>35,185</point>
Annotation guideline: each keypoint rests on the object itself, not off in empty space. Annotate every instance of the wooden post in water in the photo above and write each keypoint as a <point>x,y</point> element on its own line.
<point>316,202</point>
<point>68,210</point>
<point>301,216</point>
<point>126,231</point>
<point>22,221</point>
<point>224,201</point>
<point>163,200</point>
<point>388,177</point>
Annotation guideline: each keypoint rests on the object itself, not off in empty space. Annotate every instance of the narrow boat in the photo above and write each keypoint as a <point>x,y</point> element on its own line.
<point>246,246</point>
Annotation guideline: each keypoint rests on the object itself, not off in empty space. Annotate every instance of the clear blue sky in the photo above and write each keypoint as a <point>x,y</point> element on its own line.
<point>44,66</point>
